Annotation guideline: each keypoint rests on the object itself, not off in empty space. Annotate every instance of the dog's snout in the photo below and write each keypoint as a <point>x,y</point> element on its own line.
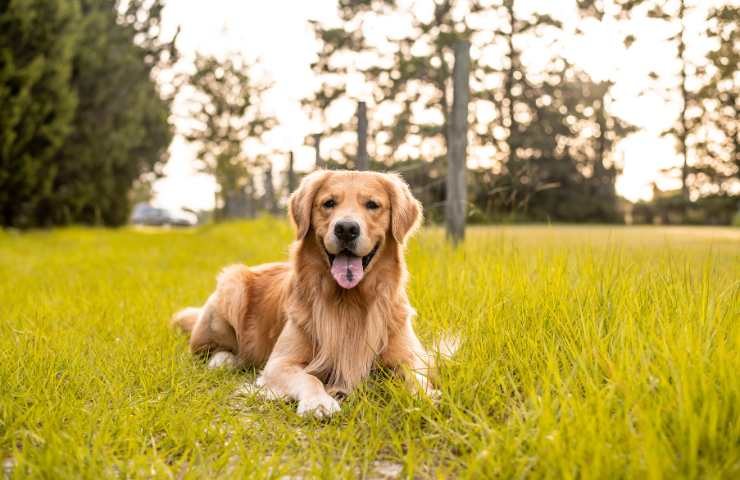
<point>347,230</point>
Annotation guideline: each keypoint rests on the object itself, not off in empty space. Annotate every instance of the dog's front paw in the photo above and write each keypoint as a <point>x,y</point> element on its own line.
<point>223,360</point>
<point>421,386</point>
<point>434,395</point>
<point>319,406</point>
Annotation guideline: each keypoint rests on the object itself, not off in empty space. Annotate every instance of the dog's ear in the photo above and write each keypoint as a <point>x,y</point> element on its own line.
<point>406,211</point>
<point>301,201</point>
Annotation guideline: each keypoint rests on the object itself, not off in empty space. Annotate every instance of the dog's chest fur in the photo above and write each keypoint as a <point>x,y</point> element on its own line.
<point>346,338</point>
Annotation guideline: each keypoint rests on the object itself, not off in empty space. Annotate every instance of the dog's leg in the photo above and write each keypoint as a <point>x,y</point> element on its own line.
<point>212,334</point>
<point>405,352</point>
<point>284,375</point>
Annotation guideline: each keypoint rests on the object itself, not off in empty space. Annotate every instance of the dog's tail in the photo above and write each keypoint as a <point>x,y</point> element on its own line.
<point>185,319</point>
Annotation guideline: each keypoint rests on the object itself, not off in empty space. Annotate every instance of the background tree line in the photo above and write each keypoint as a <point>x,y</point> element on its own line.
<point>84,118</point>
<point>549,130</point>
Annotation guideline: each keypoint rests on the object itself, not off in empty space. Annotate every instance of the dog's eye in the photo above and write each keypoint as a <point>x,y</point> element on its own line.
<point>329,203</point>
<point>372,205</point>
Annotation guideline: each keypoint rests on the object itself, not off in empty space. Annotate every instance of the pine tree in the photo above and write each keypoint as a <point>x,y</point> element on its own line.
<point>121,128</point>
<point>83,117</point>
<point>37,43</point>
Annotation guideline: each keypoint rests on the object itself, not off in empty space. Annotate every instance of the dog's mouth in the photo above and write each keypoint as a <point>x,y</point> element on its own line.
<point>347,268</point>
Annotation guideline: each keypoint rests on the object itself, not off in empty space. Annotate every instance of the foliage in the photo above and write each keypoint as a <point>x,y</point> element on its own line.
<point>718,149</point>
<point>587,352</point>
<point>561,167</point>
<point>121,128</point>
<point>112,122</point>
<point>713,209</point>
<point>37,46</point>
<point>226,111</point>
<point>706,129</point>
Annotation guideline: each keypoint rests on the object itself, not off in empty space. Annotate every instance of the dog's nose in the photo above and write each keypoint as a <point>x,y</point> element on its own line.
<point>347,230</point>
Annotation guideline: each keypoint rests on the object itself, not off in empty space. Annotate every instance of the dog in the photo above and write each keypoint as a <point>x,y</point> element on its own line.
<point>321,321</point>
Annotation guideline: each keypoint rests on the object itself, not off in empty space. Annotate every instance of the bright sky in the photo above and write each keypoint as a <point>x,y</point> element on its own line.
<point>277,33</point>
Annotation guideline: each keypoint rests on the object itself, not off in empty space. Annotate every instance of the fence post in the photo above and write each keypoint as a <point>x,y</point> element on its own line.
<point>270,200</point>
<point>291,173</point>
<point>457,144</point>
<point>362,162</point>
<point>317,148</point>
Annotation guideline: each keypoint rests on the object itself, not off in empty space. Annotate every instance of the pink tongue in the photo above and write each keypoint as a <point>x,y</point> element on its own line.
<point>347,270</point>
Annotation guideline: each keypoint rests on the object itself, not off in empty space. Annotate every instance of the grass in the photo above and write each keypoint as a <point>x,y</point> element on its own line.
<point>589,352</point>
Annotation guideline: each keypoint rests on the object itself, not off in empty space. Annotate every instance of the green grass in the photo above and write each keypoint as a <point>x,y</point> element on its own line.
<point>589,352</point>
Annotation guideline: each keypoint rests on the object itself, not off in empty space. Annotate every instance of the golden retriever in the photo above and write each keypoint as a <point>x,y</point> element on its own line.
<point>320,322</point>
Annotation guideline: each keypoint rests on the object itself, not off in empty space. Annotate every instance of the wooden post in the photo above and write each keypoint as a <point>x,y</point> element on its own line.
<point>248,199</point>
<point>218,211</point>
<point>317,147</point>
<point>270,201</point>
<point>291,173</point>
<point>362,162</point>
<point>457,144</point>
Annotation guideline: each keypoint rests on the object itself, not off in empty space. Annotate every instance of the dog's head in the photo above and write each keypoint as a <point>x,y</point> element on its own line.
<point>353,216</point>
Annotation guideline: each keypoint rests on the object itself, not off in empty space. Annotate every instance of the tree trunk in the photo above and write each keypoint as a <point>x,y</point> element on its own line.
<point>599,164</point>
<point>512,162</point>
<point>458,142</point>
<point>684,130</point>
<point>239,204</point>
<point>362,162</point>
<point>317,148</point>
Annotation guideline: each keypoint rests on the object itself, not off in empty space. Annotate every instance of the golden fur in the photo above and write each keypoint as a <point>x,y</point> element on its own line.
<point>313,336</point>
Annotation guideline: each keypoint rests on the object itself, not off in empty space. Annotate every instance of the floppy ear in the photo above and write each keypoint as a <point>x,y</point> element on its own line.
<point>301,201</point>
<point>406,211</point>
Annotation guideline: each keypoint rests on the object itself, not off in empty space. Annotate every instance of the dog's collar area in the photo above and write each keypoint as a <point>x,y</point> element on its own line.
<point>365,260</point>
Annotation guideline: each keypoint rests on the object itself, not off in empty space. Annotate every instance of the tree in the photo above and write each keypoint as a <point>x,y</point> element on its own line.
<point>37,44</point>
<point>524,127</point>
<point>564,142</point>
<point>83,117</point>
<point>400,79</point>
<point>120,129</point>
<point>717,152</point>
<point>227,113</point>
<point>705,128</point>
<point>552,129</point>
<point>685,123</point>
<point>688,122</point>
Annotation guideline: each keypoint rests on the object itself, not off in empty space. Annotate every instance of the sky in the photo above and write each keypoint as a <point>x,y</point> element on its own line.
<point>277,34</point>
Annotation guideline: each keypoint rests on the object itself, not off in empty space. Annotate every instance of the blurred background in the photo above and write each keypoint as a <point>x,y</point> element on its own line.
<point>182,112</point>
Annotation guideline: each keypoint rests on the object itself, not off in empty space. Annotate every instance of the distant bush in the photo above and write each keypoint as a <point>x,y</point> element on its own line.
<point>719,209</point>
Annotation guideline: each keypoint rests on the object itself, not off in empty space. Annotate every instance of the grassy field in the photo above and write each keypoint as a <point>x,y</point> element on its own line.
<point>589,352</point>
